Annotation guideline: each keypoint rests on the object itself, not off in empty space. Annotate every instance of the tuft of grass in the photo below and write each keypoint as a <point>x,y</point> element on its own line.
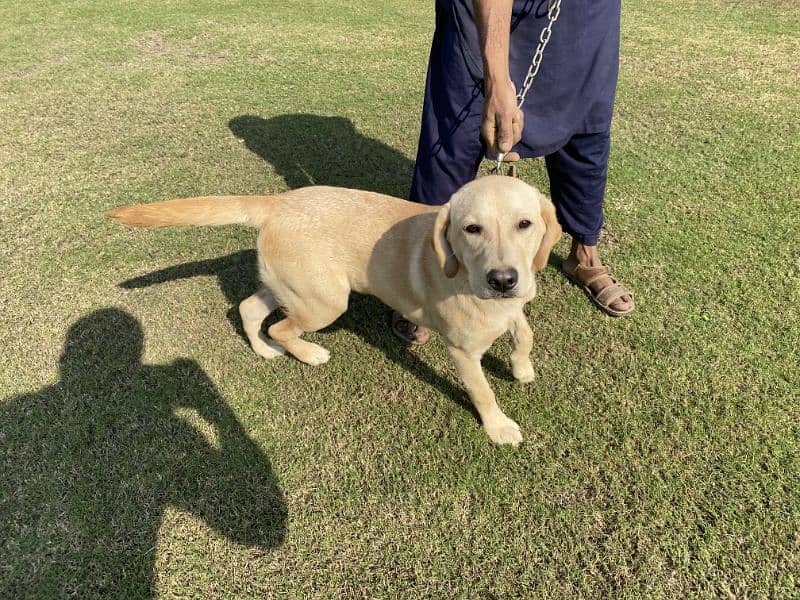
<point>144,450</point>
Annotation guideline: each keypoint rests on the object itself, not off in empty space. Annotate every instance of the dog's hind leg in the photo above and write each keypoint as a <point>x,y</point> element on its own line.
<point>253,311</point>
<point>288,331</point>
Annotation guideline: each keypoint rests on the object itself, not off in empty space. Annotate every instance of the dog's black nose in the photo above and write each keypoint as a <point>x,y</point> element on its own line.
<point>502,280</point>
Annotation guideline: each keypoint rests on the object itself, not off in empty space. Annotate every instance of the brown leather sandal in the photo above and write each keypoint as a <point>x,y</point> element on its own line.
<point>408,331</point>
<point>605,296</point>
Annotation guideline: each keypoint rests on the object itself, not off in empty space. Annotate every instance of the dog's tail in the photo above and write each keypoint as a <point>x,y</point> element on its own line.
<point>206,210</point>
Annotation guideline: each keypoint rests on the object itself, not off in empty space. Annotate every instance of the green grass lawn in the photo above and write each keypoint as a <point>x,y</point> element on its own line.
<point>145,450</point>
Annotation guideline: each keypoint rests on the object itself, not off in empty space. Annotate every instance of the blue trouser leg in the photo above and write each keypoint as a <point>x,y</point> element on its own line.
<point>450,148</point>
<point>448,156</point>
<point>578,173</point>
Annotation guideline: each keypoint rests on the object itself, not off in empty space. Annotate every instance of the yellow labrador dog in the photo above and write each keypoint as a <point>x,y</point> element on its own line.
<point>465,269</point>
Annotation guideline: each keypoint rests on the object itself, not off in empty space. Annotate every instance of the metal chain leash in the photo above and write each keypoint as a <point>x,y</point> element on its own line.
<point>553,10</point>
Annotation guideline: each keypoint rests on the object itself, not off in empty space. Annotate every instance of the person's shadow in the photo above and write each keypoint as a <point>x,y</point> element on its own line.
<point>315,150</point>
<point>90,464</point>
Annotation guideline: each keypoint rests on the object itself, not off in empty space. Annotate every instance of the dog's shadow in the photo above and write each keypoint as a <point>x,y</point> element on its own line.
<point>366,316</point>
<point>318,150</point>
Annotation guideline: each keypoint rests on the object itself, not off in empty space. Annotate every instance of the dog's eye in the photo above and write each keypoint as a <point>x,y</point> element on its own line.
<point>472,228</point>
<point>524,224</point>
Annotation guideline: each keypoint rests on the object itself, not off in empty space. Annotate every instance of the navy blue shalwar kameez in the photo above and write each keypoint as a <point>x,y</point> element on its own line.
<point>567,112</point>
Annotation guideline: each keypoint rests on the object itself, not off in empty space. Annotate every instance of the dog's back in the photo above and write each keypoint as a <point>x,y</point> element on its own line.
<point>331,222</point>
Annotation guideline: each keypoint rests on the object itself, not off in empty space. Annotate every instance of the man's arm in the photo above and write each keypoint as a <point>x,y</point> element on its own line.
<point>502,120</point>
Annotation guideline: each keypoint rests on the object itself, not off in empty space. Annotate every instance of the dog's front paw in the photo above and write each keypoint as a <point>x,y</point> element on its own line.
<point>504,431</point>
<point>314,354</point>
<point>523,371</point>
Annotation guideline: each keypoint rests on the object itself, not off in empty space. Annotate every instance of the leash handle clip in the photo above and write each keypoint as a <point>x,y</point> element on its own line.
<point>498,168</point>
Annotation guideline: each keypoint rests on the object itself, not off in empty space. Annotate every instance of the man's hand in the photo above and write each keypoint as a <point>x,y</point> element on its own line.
<point>502,122</point>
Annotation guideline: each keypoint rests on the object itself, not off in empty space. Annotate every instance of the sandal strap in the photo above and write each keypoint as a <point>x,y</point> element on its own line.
<point>611,293</point>
<point>588,275</point>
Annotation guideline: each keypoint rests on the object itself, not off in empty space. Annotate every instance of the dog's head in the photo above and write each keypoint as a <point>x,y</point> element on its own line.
<point>500,230</point>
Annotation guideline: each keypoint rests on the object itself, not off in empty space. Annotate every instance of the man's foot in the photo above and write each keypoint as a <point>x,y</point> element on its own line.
<point>584,267</point>
<point>407,331</point>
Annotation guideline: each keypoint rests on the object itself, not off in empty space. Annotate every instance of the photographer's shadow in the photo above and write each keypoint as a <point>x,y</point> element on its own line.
<point>316,150</point>
<point>91,463</point>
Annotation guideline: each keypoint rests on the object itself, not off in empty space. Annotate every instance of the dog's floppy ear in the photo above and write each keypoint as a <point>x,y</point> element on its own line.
<point>551,235</point>
<point>444,252</point>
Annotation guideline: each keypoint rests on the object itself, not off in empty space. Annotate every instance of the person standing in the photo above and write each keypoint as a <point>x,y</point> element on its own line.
<point>480,49</point>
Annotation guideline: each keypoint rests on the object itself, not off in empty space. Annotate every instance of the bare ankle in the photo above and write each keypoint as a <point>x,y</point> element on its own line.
<point>585,255</point>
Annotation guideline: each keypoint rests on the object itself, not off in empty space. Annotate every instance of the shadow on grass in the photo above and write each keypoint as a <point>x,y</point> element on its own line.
<point>316,150</point>
<point>366,316</point>
<point>91,463</point>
